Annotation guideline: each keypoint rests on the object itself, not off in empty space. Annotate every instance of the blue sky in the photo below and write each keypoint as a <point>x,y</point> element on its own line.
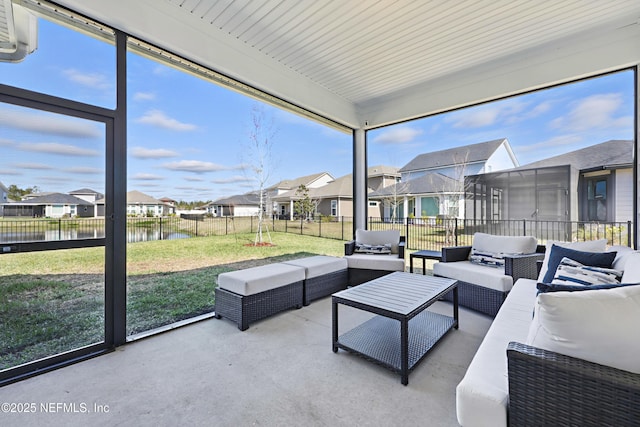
<point>188,139</point>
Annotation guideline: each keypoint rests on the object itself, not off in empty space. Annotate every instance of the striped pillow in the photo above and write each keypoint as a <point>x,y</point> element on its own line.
<point>572,272</point>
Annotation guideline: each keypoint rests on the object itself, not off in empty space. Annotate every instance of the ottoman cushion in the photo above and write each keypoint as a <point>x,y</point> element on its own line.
<point>259,279</point>
<point>376,262</point>
<point>319,265</point>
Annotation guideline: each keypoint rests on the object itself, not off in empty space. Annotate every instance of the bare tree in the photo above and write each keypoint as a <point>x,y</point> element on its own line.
<point>451,192</point>
<point>261,139</point>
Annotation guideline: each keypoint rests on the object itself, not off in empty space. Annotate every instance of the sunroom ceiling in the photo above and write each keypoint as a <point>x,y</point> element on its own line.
<point>366,63</point>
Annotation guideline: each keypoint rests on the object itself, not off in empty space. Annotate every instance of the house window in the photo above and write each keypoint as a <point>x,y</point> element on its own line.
<point>597,199</point>
<point>334,208</point>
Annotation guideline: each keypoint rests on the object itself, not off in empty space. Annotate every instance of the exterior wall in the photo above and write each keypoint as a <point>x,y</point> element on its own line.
<point>499,160</point>
<point>623,195</point>
<point>320,182</point>
<point>141,209</point>
<point>245,210</point>
<point>345,207</point>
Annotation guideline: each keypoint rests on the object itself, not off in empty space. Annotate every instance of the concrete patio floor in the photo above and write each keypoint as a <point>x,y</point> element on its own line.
<point>280,372</point>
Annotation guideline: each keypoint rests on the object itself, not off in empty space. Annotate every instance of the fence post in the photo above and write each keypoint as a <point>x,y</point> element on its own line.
<point>226,225</point>
<point>524,227</point>
<point>629,234</point>
<point>59,228</point>
<point>160,220</point>
<point>455,231</point>
<point>406,235</point>
<point>301,219</point>
<point>342,221</point>
<point>196,226</point>
<point>320,227</point>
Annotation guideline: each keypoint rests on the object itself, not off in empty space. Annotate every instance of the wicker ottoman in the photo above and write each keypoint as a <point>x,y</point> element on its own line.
<point>324,275</point>
<point>245,296</point>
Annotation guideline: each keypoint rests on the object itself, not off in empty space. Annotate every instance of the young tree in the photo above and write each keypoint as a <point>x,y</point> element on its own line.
<point>261,139</point>
<point>303,207</point>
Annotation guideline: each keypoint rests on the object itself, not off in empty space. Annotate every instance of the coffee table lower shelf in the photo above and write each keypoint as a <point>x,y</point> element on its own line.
<point>378,339</point>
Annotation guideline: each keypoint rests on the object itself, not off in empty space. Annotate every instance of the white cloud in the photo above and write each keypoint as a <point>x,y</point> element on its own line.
<point>56,148</point>
<point>555,142</point>
<point>9,172</point>
<point>48,124</point>
<point>93,80</point>
<point>152,153</point>
<point>146,177</point>
<point>194,179</point>
<point>398,135</point>
<point>85,170</point>
<point>144,96</point>
<point>595,111</point>
<point>160,119</point>
<point>195,166</point>
<point>34,166</point>
<point>233,180</point>
<point>475,118</point>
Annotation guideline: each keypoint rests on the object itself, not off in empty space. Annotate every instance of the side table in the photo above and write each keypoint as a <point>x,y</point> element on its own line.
<point>424,255</point>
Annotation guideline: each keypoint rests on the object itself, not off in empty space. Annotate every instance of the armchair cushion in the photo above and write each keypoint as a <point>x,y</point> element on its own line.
<point>557,253</point>
<point>489,250</point>
<point>379,238</point>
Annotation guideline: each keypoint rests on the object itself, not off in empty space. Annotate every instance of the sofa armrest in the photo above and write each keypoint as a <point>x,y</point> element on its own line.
<point>349,247</point>
<point>522,266</point>
<point>455,253</point>
<point>401,247</point>
<point>548,388</point>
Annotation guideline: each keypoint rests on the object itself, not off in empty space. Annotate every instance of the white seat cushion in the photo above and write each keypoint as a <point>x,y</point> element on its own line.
<point>483,394</point>
<point>489,277</point>
<point>378,238</point>
<point>389,262</point>
<point>483,242</point>
<point>259,279</point>
<point>319,265</point>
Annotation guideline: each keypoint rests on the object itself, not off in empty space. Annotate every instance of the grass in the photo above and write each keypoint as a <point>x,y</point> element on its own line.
<point>51,302</point>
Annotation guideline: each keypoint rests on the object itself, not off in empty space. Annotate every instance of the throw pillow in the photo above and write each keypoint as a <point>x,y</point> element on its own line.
<point>571,272</point>
<point>586,246</point>
<point>632,268</point>
<point>595,259</point>
<point>487,259</point>
<point>598,326</point>
<point>373,249</point>
<point>550,287</point>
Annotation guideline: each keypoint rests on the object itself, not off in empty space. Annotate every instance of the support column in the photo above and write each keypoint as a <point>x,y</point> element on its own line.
<point>636,169</point>
<point>291,209</point>
<point>359,179</point>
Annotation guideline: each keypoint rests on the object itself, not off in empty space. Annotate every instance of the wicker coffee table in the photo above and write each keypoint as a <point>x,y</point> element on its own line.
<point>403,331</point>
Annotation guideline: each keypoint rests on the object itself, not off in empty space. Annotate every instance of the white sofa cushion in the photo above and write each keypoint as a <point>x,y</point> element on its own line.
<point>379,238</point>
<point>492,278</point>
<point>490,243</point>
<point>632,268</point>
<point>600,326</point>
<point>259,279</point>
<point>375,262</point>
<point>586,246</point>
<point>483,394</point>
<point>320,265</point>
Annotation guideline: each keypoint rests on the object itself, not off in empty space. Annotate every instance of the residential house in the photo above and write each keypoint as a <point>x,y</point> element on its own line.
<point>170,204</point>
<point>140,204</point>
<point>593,184</point>
<point>335,198</point>
<point>90,196</point>
<point>50,205</point>
<point>291,185</point>
<point>238,205</point>
<point>4,197</point>
<point>433,183</point>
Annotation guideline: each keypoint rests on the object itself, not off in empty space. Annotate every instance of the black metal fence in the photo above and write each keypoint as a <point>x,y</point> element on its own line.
<point>420,234</point>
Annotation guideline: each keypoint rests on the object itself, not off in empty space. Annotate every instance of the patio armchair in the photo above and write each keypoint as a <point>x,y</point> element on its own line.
<point>487,270</point>
<point>373,254</point>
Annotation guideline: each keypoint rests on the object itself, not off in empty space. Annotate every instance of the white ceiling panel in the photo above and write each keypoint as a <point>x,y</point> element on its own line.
<point>345,59</point>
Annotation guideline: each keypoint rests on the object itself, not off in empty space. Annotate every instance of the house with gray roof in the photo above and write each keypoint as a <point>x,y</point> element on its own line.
<point>4,197</point>
<point>247,204</point>
<point>432,183</point>
<point>141,204</point>
<point>592,184</point>
<point>458,162</point>
<point>50,205</point>
<point>335,198</point>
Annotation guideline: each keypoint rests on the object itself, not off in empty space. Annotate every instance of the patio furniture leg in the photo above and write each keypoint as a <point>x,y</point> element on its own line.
<point>455,307</point>
<point>404,351</point>
<point>334,309</point>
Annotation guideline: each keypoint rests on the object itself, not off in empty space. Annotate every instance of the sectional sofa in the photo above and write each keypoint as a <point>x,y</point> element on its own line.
<point>559,358</point>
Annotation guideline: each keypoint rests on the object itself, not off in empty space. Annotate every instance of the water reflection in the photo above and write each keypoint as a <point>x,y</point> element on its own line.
<point>133,235</point>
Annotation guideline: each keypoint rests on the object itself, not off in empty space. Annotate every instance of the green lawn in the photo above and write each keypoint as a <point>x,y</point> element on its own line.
<point>52,302</point>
